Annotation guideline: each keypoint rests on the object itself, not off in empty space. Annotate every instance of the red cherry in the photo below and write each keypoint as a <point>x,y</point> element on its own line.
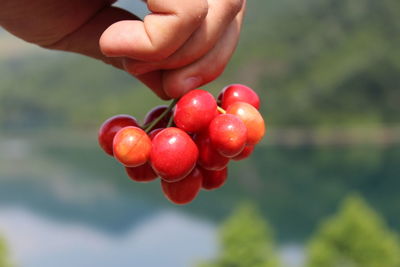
<point>110,128</point>
<point>132,146</point>
<point>154,132</point>
<point>154,114</point>
<point>185,190</point>
<point>238,92</point>
<point>142,173</point>
<point>209,157</point>
<point>214,179</point>
<point>195,110</point>
<point>173,155</point>
<point>245,153</point>
<point>251,118</point>
<point>228,134</point>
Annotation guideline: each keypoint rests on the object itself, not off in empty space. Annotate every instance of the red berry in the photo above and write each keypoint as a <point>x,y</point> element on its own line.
<point>154,114</point>
<point>251,118</point>
<point>154,132</point>
<point>142,173</point>
<point>214,179</point>
<point>195,110</point>
<point>110,128</point>
<point>228,134</point>
<point>209,157</point>
<point>173,154</point>
<point>245,153</point>
<point>238,92</point>
<point>132,146</point>
<point>185,190</point>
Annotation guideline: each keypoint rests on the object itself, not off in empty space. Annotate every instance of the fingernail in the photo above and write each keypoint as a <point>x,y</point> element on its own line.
<point>191,83</point>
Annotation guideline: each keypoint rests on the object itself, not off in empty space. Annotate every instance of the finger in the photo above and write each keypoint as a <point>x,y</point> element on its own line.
<point>220,15</point>
<point>178,82</point>
<point>85,40</point>
<point>161,33</point>
<point>153,80</point>
<point>44,22</point>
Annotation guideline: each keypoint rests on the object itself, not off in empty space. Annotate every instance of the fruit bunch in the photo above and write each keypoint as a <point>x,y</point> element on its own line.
<point>189,143</point>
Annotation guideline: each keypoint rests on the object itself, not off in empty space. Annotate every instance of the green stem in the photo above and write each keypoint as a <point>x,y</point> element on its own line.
<point>221,110</point>
<point>171,120</point>
<point>146,125</point>
<point>151,125</point>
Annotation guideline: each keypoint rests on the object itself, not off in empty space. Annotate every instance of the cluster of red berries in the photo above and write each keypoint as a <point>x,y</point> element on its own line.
<point>189,143</point>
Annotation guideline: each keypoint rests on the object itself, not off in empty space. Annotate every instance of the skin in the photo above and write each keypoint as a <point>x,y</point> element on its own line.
<point>180,46</point>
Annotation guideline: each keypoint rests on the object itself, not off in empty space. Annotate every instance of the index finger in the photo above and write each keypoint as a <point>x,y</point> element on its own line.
<point>161,33</point>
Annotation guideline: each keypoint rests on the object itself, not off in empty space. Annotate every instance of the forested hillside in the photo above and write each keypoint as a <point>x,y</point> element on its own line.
<point>315,62</point>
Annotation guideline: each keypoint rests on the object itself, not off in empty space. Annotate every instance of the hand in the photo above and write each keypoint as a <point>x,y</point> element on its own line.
<point>181,45</point>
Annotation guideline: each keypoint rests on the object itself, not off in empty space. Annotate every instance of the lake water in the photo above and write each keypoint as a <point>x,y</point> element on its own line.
<point>64,203</point>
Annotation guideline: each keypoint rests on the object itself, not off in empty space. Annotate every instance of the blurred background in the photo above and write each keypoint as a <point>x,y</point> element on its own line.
<point>321,190</point>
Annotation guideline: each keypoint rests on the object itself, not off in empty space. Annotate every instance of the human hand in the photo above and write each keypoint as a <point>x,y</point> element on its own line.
<point>181,45</point>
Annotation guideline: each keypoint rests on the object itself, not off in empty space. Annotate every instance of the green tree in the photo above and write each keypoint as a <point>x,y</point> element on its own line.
<point>4,261</point>
<point>246,240</point>
<point>355,237</point>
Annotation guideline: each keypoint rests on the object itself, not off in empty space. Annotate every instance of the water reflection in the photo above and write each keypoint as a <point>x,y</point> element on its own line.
<point>163,239</point>
<point>62,198</point>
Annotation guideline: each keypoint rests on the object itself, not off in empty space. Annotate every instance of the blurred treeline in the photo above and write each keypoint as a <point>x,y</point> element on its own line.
<point>355,236</point>
<point>315,63</point>
<point>4,257</point>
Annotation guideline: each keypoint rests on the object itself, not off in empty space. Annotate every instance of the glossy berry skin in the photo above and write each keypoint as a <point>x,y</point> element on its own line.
<point>251,118</point>
<point>195,110</point>
<point>154,114</point>
<point>132,146</point>
<point>142,173</point>
<point>173,155</point>
<point>238,93</point>
<point>209,157</point>
<point>247,151</point>
<point>228,135</point>
<point>214,179</point>
<point>154,132</point>
<point>110,128</point>
<point>185,190</point>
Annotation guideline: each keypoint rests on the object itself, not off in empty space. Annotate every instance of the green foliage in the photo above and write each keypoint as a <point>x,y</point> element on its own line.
<point>67,90</point>
<point>355,237</point>
<point>330,62</point>
<point>246,240</point>
<point>4,261</point>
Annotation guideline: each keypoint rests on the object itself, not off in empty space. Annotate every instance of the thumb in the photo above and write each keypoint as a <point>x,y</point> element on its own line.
<point>85,40</point>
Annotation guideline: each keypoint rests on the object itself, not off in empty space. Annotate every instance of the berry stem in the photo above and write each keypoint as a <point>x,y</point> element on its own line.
<point>221,110</point>
<point>151,125</point>
<point>171,119</point>
<point>146,125</point>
